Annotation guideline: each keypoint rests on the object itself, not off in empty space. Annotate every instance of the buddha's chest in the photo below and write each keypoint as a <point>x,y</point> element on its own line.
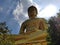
<point>33,24</point>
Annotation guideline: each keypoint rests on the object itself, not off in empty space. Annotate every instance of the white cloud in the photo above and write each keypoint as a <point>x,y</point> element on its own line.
<point>1,9</point>
<point>18,11</point>
<point>48,11</point>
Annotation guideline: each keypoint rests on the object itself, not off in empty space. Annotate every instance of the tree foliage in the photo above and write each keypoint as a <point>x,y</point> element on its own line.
<point>5,38</point>
<point>58,14</point>
<point>54,32</point>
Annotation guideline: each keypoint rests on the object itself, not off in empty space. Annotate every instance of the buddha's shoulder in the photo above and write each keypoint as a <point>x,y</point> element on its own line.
<point>42,19</point>
<point>38,19</point>
<point>24,22</point>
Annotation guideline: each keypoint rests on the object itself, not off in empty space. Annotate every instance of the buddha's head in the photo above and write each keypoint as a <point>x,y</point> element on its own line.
<point>32,12</point>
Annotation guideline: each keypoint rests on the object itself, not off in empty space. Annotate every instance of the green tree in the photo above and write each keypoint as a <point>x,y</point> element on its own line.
<point>54,31</point>
<point>3,28</point>
<point>58,14</point>
<point>5,35</point>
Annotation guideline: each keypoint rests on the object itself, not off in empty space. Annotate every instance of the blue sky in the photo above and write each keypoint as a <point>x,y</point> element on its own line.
<point>14,12</point>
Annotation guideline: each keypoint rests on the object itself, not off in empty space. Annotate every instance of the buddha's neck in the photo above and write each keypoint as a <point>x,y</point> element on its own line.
<point>32,17</point>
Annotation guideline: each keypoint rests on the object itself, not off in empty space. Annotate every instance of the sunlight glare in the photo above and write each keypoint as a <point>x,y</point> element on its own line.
<point>48,11</point>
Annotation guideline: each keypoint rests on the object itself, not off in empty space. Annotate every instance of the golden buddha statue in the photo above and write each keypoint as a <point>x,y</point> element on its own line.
<point>33,23</point>
<point>36,28</point>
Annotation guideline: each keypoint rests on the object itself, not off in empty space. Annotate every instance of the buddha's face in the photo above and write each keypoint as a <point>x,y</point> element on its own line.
<point>32,13</point>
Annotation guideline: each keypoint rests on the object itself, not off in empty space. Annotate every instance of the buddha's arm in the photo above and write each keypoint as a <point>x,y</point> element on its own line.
<point>22,29</point>
<point>43,25</point>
